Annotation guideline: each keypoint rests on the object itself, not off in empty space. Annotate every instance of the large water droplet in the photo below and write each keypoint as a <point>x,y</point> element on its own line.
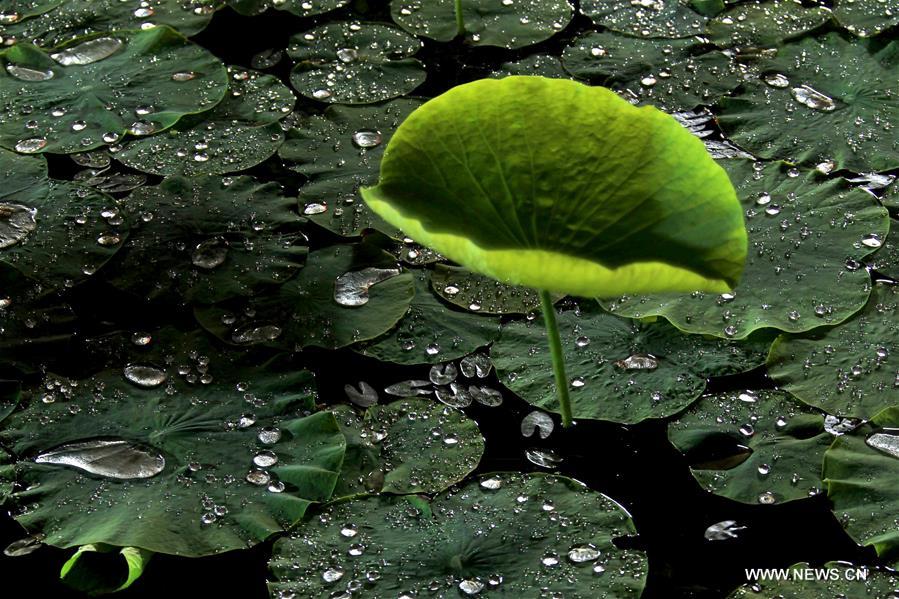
<point>88,52</point>
<point>471,586</point>
<point>887,443</point>
<point>583,553</point>
<point>638,362</point>
<point>256,333</point>
<point>367,138</point>
<point>813,98</point>
<point>144,376</point>
<point>210,253</point>
<point>26,74</point>
<point>112,458</point>
<point>24,546</point>
<point>351,289</point>
<point>16,222</point>
<point>31,145</point>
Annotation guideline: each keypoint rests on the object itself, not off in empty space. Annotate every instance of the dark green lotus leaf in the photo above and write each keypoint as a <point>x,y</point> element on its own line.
<point>23,180</point>
<point>867,17</point>
<point>408,446</point>
<point>231,137</point>
<point>886,260</point>
<point>301,8</point>
<point>802,229</point>
<point>646,18</point>
<point>765,23</point>
<point>753,446</point>
<point>546,201</point>
<point>355,63</point>
<point>63,237</point>
<point>674,75</point>
<point>133,81</point>
<point>432,331</point>
<point>806,583</point>
<point>543,65</point>
<point>481,294</point>
<point>505,534</point>
<point>849,370</point>
<point>100,569</point>
<point>345,294</point>
<point>208,239</point>
<point>620,369</point>
<point>821,99</point>
<point>69,19</point>
<point>339,151</point>
<point>484,22</point>
<point>890,199</point>
<point>860,471</point>
<point>204,454</point>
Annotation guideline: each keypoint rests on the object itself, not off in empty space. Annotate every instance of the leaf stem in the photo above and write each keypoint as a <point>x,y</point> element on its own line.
<point>460,24</point>
<point>555,350</point>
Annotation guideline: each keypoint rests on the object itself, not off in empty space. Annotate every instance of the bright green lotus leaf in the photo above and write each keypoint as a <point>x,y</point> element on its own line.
<point>802,230</point>
<point>208,239</point>
<point>484,22</point>
<point>301,8</point>
<point>886,260</point>
<point>619,369</point>
<point>503,535</point>
<point>753,446</point>
<point>100,87</point>
<point>432,331</point>
<point>100,569</point>
<point>806,583</point>
<point>677,75</point>
<point>207,453</point>
<point>239,133</point>
<point>66,20</point>
<point>860,471</point>
<point>765,23</point>
<point>408,446</point>
<point>867,17</point>
<point>339,151</point>
<point>849,370</point>
<point>646,18</point>
<point>481,294</point>
<point>544,200</point>
<point>355,63</point>
<point>345,294</point>
<point>63,237</point>
<point>820,99</point>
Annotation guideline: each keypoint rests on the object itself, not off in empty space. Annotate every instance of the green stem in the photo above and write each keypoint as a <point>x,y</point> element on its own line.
<point>460,24</point>
<point>555,350</point>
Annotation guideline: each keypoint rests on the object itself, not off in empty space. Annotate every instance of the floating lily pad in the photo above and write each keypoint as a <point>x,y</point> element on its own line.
<point>545,201</point>
<point>678,74</point>
<point>763,23</point>
<point>753,446</point>
<point>207,239</point>
<point>339,151</point>
<point>408,446</point>
<point>820,99</point>
<point>345,294</point>
<point>849,370</point>
<point>481,294</point>
<point>301,8</point>
<point>145,458</point>
<point>432,331</point>
<point>646,18</point>
<point>70,19</point>
<point>802,230</point>
<point>231,137</point>
<point>484,22</point>
<point>860,470</point>
<point>808,583</point>
<point>97,88</point>
<point>355,63</point>
<point>886,260</point>
<point>461,543</point>
<point>620,369</point>
<point>867,17</point>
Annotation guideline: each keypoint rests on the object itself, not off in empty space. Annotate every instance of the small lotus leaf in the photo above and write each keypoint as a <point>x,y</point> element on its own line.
<point>432,331</point>
<point>753,446</point>
<point>823,99</point>
<point>620,369</point>
<point>646,18</point>
<point>355,63</point>
<point>849,370</point>
<point>484,22</point>
<point>408,446</point>
<point>481,294</point>
<point>590,217</point>
<point>510,533</point>
<point>765,23</point>
<point>301,8</point>
<point>867,17</point>
<point>101,86</point>
<point>802,230</point>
